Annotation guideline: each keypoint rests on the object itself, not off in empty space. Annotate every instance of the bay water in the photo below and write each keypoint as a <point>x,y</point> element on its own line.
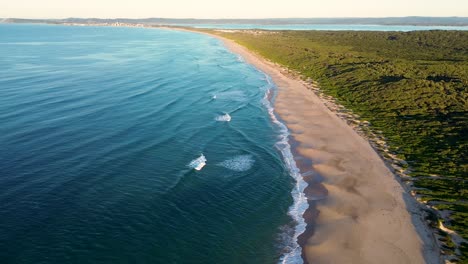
<point>98,130</point>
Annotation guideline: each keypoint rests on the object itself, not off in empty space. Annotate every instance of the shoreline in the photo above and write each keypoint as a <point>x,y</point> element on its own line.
<point>359,212</point>
<point>364,192</point>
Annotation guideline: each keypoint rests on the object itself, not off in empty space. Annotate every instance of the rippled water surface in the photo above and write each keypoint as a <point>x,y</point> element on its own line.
<point>98,127</point>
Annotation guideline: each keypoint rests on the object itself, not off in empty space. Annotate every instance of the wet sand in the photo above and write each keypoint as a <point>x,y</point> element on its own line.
<point>358,211</point>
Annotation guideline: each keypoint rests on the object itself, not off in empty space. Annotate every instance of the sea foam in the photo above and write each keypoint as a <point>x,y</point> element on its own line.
<point>239,163</point>
<point>297,209</point>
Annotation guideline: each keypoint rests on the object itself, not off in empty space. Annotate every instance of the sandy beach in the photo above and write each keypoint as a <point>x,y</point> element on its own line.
<point>358,211</point>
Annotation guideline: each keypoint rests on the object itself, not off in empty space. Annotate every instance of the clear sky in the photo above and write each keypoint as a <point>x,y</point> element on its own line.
<point>230,8</point>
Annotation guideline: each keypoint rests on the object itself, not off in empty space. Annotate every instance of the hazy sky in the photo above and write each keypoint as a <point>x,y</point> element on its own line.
<point>230,8</point>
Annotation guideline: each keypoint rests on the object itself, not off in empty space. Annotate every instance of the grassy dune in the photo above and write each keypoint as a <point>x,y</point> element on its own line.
<point>413,87</point>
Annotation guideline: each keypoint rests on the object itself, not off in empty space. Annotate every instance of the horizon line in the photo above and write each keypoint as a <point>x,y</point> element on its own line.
<point>268,18</point>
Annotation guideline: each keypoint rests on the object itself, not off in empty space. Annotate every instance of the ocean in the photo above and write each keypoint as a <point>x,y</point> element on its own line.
<point>101,129</point>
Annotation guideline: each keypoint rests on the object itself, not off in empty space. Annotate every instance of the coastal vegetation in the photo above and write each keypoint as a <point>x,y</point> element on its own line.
<point>413,89</point>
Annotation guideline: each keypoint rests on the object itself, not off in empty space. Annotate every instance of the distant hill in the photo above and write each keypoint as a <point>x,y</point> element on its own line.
<point>419,21</point>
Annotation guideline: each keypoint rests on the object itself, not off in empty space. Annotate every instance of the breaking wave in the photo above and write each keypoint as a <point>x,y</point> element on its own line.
<point>297,209</point>
<point>198,163</point>
<point>223,118</point>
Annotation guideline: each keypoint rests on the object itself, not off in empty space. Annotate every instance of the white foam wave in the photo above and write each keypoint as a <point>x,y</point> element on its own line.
<point>239,163</point>
<point>297,209</point>
<point>223,118</point>
<point>240,58</point>
<point>198,163</point>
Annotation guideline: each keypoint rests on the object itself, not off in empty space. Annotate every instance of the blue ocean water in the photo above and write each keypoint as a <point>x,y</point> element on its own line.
<point>333,27</point>
<point>98,128</point>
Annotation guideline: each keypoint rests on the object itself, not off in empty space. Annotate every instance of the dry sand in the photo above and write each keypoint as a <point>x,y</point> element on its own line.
<point>367,217</point>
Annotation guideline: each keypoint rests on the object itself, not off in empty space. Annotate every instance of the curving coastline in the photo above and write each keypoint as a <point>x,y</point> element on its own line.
<point>358,211</point>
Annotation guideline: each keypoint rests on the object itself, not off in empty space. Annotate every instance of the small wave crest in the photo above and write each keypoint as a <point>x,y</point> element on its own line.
<point>239,163</point>
<point>198,163</point>
<point>223,118</point>
<point>235,95</point>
